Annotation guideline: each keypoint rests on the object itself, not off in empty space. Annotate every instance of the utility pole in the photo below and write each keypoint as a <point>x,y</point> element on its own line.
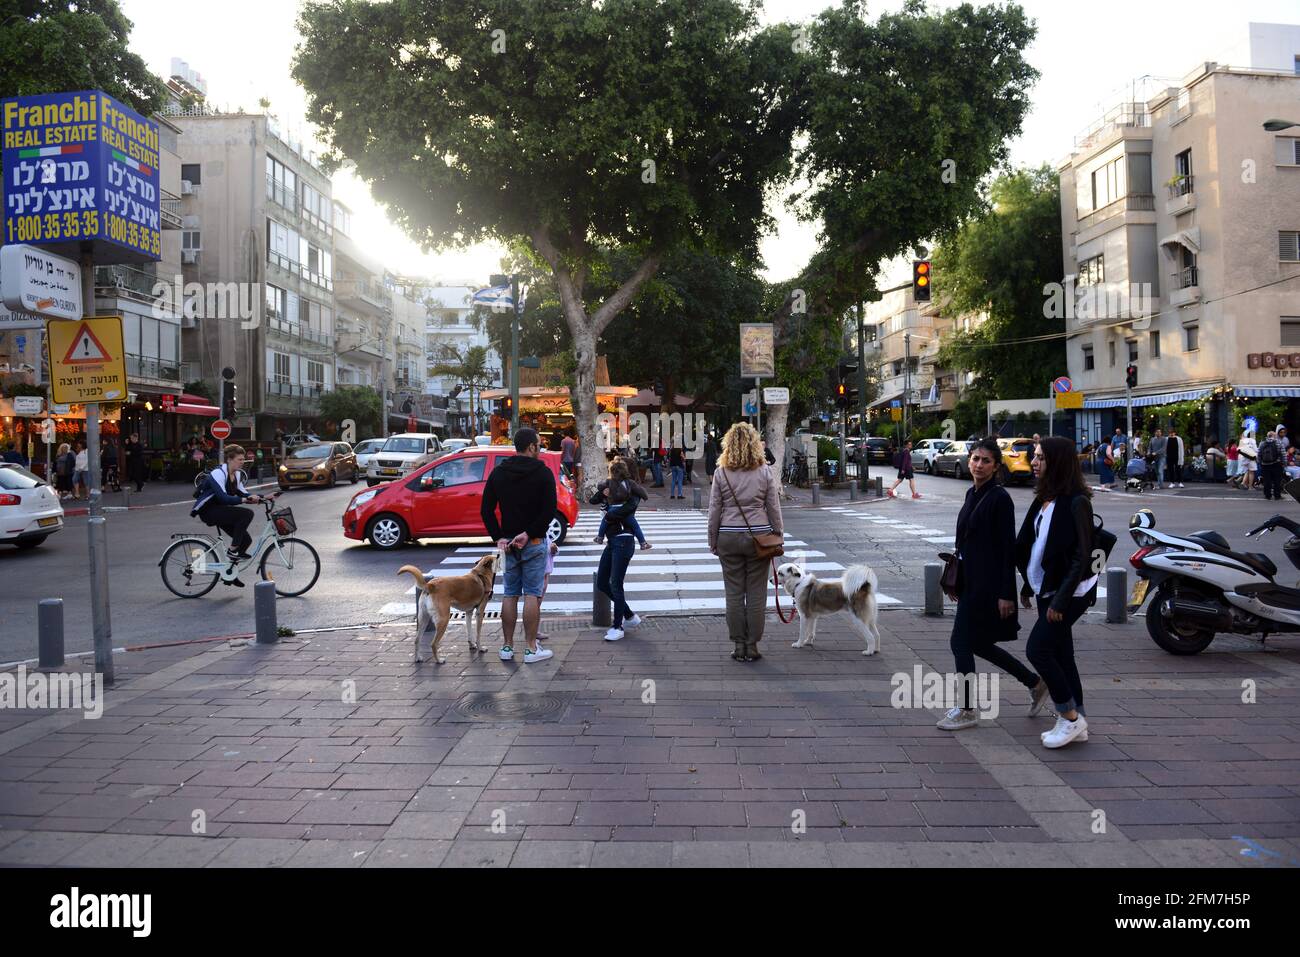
<point>96,524</point>
<point>907,387</point>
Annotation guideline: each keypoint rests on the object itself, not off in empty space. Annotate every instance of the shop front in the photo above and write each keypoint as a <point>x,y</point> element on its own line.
<point>167,423</point>
<point>69,426</point>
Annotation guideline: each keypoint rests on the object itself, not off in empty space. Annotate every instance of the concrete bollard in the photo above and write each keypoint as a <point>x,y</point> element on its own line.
<point>602,606</point>
<point>1116,596</point>
<point>695,497</point>
<point>853,491</point>
<point>933,592</point>
<point>817,492</point>
<point>880,487</point>
<point>49,632</point>
<point>264,613</point>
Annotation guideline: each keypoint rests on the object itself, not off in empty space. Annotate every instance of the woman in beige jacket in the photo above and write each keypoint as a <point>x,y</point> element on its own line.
<point>743,502</point>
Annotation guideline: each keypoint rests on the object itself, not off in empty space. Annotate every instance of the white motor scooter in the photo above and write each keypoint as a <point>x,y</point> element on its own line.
<point>1202,587</point>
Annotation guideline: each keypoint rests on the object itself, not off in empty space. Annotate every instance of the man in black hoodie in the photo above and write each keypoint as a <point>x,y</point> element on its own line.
<point>523,487</point>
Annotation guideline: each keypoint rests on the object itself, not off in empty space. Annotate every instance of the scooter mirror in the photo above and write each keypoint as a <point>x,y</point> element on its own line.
<point>1293,489</point>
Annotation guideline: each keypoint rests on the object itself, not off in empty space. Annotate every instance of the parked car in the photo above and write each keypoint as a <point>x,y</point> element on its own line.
<point>441,500</point>
<point>365,451</point>
<point>322,464</point>
<point>455,445</point>
<point>29,509</point>
<point>877,450</point>
<point>401,455</point>
<point>1017,458</point>
<point>954,460</point>
<point>483,439</point>
<point>923,453</point>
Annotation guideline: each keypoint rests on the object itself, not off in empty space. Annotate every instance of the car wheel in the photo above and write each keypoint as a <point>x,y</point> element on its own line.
<point>1004,476</point>
<point>929,467</point>
<point>388,532</point>
<point>27,543</point>
<point>355,476</point>
<point>372,482</point>
<point>333,480</point>
<point>283,487</point>
<point>557,530</point>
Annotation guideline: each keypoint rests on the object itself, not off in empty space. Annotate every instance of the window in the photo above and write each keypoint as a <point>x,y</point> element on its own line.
<point>1088,363</point>
<point>462,471</point>
<point>275,308</point>
<point>281,368</point>
<point>1155,344</point>
<point>315,373</point>
<point>1183,163</point>
<point>316,263</point>
<point>1132,350</point>
<point>1288,246</point>
<point>192,172</point>
<point>190,239</point>
<point>283,246</point>
<point>1109,183</point>
<point>1192,335</point>
<point>316,208</point>
<point>342,219</point>
<point>1091,272</point>
<point>1111,346</point>
<point>281,183</point>
<point>1297,66</point>
<point>1290,331</point>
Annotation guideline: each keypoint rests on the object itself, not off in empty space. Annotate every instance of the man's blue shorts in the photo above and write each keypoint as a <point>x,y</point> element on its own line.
<point>526,571</point>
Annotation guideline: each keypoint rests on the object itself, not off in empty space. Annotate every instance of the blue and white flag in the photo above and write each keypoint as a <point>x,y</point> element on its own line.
<point>934,394</point>
<point>496,297</point>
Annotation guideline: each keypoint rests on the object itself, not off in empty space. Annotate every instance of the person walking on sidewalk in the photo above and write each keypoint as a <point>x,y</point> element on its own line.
<point>710,453</point>
<point>986,588</point>
<point>905,473</point>
<point>1175,454</point>
<point>743,502</point>
<point>81,476</point>
<point>1248,454</point>
<point>622,529</point>
<point>524,489</point>
<point>569,455</point>
<point>1270,466</point>
<point>677,466</point>
<point>135,461</point>
<point>1054,554</point>
<point>1234,460</point>
<point>65,467</point>
<point>1160,449</point>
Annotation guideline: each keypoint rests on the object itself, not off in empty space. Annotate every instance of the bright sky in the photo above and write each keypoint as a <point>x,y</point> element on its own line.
<point>1086,54</point>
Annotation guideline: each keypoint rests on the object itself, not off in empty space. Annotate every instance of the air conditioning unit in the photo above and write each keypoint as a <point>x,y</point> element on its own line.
<point>189,256</point>
<point>187,188</point>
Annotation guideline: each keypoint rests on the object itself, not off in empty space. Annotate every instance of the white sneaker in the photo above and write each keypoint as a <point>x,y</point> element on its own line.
<point>1065,732</point>
<point>1181,485</point>
<point>541,654</point>
<point>959,719</point>
<point>507,653</point>
<point>632,622</point>
<point>614,634</point>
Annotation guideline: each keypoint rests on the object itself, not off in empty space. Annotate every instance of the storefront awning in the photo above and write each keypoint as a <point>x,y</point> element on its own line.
<point>191,408</point>
<point>886,399</point>
<point>1140,401</point>
<point>1266,391</point>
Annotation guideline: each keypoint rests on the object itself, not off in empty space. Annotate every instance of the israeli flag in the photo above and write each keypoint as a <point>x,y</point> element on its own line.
<point>498,298</point>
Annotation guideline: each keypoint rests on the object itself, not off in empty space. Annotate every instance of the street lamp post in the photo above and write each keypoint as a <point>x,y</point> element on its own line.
<point>1276,126</point>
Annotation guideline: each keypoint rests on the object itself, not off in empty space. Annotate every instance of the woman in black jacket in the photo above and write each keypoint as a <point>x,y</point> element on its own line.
<point>986,593</point>
<point>1054,554</point>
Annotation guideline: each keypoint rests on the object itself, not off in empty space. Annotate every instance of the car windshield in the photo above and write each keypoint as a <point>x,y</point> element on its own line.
<point>404,445</point>
<point>369,445</point>
<point>17,477</point>
<point>310,452</point>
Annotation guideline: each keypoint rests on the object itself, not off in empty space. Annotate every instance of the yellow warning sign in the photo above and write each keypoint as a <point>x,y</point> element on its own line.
<point>86,360</point>
<point>1069,400</point>
<point>896,415</point>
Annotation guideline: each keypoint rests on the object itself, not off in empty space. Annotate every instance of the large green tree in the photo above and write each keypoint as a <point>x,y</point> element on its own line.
<point>998,263</point>
<point>360,403</point>
<point>52,46</point>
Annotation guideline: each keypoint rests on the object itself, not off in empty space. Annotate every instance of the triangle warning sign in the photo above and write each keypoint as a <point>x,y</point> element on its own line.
<point>86,349</point>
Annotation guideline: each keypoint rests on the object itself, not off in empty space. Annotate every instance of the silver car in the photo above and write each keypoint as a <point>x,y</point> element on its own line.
<point>401,455</point>
<point>365,451</point>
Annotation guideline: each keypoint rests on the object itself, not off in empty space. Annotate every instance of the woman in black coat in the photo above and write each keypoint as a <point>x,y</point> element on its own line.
<point>134,460</point>
<point>986,594</point>
<point>1054,553</point>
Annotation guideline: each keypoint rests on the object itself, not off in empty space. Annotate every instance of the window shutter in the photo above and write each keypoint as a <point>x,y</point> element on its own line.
<point>1288,246</point>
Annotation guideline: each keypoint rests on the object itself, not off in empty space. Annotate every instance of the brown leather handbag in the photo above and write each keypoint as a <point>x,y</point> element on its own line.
<point>768,544</point>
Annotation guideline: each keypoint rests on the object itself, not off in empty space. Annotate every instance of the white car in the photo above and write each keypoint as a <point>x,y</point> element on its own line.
<point>365,451</point>
<point>455,445</point>
<point>402,454</point>
<point>923,453</point>
<point>29,509</point>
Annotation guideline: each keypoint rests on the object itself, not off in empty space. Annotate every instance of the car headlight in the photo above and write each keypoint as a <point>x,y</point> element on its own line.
<point>363,498</point>
<point>284,468</point>
<point>320,467</point>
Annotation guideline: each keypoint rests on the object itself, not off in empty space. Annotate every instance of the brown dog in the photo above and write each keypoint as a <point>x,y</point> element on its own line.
<point>468,593</point>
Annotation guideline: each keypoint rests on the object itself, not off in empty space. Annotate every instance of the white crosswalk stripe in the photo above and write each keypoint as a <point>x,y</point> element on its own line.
<point>677,575</point>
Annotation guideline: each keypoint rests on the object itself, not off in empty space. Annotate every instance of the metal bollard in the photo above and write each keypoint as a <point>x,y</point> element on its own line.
<point>816,490</point>
<point>880,487</point>
<point>933,593</point>
<point>602,606</point>
<point>1116,596</point>
<point>853,491</point>
<point>695,497</point>
<point>264,613</point>
<point>49,632</point>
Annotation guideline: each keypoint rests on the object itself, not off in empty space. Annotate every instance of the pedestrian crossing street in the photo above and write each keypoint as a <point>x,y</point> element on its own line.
<point>677,576</point>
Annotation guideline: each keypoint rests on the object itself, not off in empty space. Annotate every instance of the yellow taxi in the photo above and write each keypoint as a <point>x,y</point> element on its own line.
<point>1017,461</point>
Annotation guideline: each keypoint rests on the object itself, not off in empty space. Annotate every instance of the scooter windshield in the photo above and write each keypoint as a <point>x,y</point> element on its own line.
<point>1293,488</point>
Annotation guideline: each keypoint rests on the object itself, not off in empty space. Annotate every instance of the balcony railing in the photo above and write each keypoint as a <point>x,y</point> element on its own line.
<point>280,193</point>
<point>294,390</point>
<point>1179,186</point>
<point>126,282</point>
<point>170,209</point>
<point>1185,278</point>
<point>297,331</point>
<point>148,367</point>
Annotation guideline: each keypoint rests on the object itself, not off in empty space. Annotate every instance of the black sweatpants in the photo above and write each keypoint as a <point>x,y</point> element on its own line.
<point>1050,649</point>
<point>967,642</point>
<point>232,520</point>
<point>1272,476</point>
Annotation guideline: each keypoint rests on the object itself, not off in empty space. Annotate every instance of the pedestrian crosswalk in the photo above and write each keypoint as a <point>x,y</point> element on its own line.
<point>933,536</point>
<point>677,576</point>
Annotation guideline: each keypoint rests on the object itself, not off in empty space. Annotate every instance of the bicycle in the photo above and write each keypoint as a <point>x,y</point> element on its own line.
<point>192,565</point>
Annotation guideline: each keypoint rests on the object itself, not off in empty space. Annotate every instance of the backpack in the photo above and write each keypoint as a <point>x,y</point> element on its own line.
<point>898,460</point>
<point>1269,453</point>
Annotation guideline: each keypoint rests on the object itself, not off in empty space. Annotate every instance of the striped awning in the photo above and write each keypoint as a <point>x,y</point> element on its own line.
<point>1267,391</point>
<point>1144,400</point>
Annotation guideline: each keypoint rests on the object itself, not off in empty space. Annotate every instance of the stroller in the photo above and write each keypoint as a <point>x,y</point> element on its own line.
<point>1140,474</point>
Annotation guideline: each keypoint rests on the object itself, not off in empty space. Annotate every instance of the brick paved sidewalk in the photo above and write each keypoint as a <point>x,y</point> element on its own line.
<point>713,764</point>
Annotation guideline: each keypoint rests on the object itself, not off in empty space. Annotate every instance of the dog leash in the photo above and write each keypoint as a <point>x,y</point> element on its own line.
<point>777,587</point>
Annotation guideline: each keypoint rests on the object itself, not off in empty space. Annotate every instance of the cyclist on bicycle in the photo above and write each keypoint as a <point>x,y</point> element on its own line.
<point>218,498</point>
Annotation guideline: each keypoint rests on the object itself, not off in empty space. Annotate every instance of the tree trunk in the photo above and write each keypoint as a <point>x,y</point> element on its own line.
<point>583,398</point>
<point>774,423</point>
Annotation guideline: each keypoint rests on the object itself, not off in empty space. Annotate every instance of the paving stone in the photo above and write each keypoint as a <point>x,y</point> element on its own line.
<point>408,852</point>
<point>257,852</point>
<point>332,853</point>
<point>634,854</point>
<point>710,854</point>
<point>545,853</point>
<point>480,854</point>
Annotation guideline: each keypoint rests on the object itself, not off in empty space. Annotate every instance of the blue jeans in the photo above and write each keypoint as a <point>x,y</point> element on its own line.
<point>630,523</point>
<point>526,571</point>
<point>658,472</point>
<point>678,473</point>
<point>609,576</point>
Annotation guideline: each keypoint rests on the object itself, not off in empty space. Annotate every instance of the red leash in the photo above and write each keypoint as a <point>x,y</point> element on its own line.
<point>777,585</point>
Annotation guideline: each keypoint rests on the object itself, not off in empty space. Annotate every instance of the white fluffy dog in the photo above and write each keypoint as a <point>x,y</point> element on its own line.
<point>855,593</point>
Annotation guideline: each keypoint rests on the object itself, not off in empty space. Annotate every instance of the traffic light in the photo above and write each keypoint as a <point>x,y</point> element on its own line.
<point>510,404</point>
<point>842,395</point>
<point>921,280</point>
<point>1131,376</point>
<point>227,400</point>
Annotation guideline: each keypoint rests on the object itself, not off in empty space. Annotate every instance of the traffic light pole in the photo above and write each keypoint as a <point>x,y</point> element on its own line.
<point>1128,401</point>
<point>96,524</point>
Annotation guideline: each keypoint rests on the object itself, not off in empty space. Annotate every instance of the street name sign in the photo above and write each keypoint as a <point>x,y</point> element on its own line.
<point>33,280</point>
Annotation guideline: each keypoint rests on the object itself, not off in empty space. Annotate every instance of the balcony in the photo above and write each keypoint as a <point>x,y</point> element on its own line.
<point>364,296</point>
<point>306,338</point>
<point>1182,195</point>
<point>166,371</point>
<point>170,206</point>
<point>279,193</point>
<point>292,397</point>
<point>357,346</point>
<point>1184,287</point>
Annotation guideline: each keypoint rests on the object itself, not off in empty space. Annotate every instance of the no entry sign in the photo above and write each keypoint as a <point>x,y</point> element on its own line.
<point>220,430</point>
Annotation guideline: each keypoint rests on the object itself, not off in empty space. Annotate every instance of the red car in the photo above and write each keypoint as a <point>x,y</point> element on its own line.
<point>441,500</point>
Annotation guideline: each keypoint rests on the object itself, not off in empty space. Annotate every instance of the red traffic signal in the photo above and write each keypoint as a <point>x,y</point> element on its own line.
<point>921,276</point>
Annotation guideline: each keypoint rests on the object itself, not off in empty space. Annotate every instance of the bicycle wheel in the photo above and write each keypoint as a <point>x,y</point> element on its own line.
<point>191,567</point>
<point>292,564</point>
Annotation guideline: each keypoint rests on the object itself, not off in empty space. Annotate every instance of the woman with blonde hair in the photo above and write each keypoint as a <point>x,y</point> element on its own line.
<point>743,502</point>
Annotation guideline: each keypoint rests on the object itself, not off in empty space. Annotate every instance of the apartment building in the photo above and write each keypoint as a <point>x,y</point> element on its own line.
<point>259,236</point>
<point>450,332</point>
<point>899,333</point>
<point>1181,230</point>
